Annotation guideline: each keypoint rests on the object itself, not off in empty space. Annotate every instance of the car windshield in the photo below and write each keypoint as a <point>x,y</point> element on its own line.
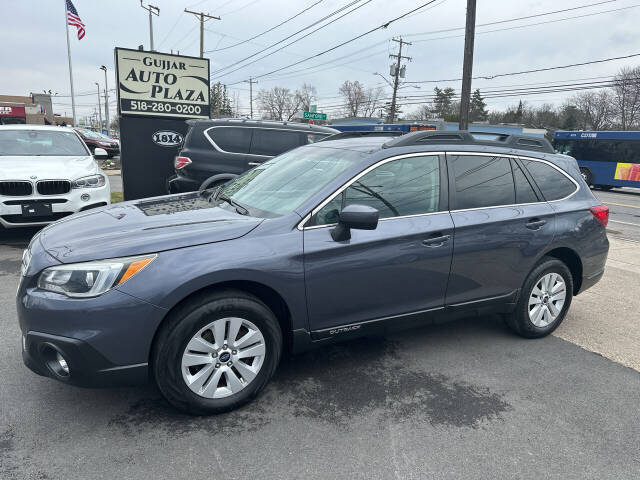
<point>284,183</point>
<point>93,135</point>
<point>40,143</point>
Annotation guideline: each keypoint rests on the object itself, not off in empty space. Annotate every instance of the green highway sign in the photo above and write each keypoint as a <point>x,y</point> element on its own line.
<point>314,116</point>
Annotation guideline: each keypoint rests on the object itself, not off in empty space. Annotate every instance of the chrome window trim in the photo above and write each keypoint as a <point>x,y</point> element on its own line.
<point>307,217</point>
<point>348,183</point>
<point>215,145</point>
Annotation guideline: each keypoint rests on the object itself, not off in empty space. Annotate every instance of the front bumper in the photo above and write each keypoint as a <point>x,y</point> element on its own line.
<point>61,206</point>
<point>86,367</point>
<point>104,340</point>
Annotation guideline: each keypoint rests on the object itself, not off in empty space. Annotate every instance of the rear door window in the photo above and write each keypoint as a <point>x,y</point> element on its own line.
<point>231,139</point>
<point>482,181</point>
<point>271,142</point>
<point>553,184</point>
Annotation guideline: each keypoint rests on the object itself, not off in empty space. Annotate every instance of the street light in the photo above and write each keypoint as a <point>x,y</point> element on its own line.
<point>106,98</point>
<point>99,109</point>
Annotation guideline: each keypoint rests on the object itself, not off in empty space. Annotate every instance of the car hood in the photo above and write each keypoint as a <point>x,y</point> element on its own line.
<point>143,226</point>
<point>52,168</point>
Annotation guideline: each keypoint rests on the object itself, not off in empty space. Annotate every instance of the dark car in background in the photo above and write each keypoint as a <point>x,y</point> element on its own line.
<point>214,147</point>
<point>203,292</point>
<point>98,140</point>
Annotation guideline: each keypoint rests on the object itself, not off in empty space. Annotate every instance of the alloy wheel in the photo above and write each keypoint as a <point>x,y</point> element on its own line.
<point>547,299</point>
<point>223,357</point>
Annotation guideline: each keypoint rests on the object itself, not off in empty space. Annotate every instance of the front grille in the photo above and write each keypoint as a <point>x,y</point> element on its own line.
<point>15,189</point>
<point>53,187</point>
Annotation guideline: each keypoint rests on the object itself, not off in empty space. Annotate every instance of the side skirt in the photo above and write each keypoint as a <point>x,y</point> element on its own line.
<point>304,340</point>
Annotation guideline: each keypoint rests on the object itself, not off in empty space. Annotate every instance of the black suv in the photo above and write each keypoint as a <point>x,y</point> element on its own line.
<point>233,146</point>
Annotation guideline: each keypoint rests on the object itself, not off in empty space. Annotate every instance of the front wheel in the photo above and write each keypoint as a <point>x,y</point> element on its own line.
<point>216,352</point>
<point>544,300</point>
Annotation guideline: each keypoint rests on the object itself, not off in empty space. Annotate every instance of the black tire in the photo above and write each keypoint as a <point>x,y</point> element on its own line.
<point>606,188</point>
<point>519,320</point>
<point>184,322</point>
<point>587,175</point>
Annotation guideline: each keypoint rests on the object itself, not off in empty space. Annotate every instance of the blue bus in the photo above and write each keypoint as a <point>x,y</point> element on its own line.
<point>385,127</point>
<point>607,159</point>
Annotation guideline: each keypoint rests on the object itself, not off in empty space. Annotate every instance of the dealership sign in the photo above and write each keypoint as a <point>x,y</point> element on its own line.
<point>161,85</point>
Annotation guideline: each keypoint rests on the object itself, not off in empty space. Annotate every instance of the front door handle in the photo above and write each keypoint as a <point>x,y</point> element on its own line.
<point>436,241</point>
<point>254,164</point>
<point>535,224</point>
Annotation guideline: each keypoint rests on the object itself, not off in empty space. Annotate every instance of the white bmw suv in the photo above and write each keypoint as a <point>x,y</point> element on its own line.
<point>47,173</point>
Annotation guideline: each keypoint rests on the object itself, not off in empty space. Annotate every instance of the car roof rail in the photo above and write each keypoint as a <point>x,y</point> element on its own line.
<point>465,137</point>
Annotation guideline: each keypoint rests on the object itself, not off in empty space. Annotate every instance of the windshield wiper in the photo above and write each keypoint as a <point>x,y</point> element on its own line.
<point>239,208</point>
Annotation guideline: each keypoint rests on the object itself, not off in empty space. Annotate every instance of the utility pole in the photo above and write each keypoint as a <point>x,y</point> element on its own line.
<point>469,37</point>
<point>251,81</point>
<point>396,80</point>
<point>99,109</point>
<point>204,17</point>
<point>153,10</point>
<point>106,98</point>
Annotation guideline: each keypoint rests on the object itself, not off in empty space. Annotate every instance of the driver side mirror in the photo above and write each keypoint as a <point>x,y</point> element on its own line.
<point>100,154</point>
<point>361,217</point>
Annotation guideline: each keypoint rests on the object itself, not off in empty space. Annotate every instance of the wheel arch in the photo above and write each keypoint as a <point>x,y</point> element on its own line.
<point>266,294</point>
<point>572,260</point>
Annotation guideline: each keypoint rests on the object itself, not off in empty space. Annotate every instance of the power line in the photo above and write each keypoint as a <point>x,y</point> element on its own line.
<point>267,31</point>
<point>511,19</point>
<point>491,77</point>
<point>335,12</point>
<point>346,42</point>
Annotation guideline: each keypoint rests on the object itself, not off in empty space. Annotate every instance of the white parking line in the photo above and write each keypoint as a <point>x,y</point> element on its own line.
<point>625,223</point>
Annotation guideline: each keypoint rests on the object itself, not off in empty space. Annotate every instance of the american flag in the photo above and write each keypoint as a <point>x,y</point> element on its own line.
<point>73,19</point>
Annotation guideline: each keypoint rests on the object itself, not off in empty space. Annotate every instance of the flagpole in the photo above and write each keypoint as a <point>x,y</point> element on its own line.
<point>73,101</point>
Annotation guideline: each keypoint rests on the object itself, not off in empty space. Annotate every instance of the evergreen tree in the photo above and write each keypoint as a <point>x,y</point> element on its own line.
<point>478,110</point>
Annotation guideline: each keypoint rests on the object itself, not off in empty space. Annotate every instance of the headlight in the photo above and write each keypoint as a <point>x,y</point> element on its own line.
<point>90,279</point>
<point>105,144</point>
<point>92,181</point>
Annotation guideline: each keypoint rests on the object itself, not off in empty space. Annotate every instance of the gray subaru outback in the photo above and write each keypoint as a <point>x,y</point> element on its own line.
<point>203,292</point>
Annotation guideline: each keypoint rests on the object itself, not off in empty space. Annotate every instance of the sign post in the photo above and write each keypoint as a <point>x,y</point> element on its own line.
<point>157,93</point>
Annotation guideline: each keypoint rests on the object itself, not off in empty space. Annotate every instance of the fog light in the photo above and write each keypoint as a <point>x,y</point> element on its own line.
<point>85,197</point>
<point>62,362</point>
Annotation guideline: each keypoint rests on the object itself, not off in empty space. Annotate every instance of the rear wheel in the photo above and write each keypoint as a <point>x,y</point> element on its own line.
<point>544,300</point>
<point>587,175</point>
<point>216,352</point>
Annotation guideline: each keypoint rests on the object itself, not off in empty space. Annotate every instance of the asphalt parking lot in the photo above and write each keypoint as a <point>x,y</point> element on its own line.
<point>462,400</point>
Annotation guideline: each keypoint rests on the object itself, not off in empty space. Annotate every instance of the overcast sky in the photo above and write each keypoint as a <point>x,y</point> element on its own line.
<point>34,54</point>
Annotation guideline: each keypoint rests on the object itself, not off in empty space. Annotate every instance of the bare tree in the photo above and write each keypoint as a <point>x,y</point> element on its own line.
<point>596,108</point>
<point>354,95</point>
<point>373,101</point>
<point>423,112</point>
<point>305,96</point>
<point>278,103</point>
<point>627,96</point>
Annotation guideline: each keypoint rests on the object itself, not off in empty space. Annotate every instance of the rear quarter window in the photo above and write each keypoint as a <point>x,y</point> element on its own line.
<point>271,142</point>
<point>231,139</point>
<point>553,184</point>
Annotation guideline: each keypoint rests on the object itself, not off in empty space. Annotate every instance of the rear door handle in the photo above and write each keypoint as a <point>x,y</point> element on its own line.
<point>535,224</point>
<point>436,241</point>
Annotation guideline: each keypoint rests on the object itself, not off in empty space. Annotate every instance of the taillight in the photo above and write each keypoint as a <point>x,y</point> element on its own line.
<point>601,212</point>
<point>181,162</point>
